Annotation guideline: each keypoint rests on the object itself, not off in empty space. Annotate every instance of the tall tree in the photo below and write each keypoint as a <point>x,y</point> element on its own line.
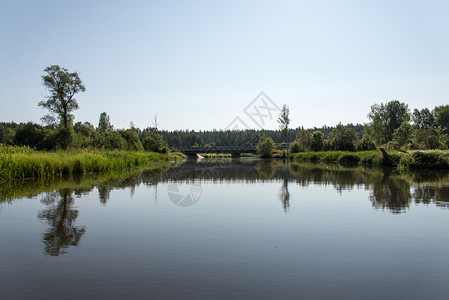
<point>317,141</point>
<point>63,86</point>
<point>284,121</point>
<point>304,139</point>
<point>342,138</point>
<point>441,114</point>
<point>386,118</point>
<point>423,118</point>
<point>104,123</point>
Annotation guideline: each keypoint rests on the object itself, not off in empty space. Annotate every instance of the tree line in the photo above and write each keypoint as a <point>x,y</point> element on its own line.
<point>392,125</point>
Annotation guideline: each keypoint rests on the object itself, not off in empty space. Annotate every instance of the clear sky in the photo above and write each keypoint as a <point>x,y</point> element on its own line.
<point>199,64</point>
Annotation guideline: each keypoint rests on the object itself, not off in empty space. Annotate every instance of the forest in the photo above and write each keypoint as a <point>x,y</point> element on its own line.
<point>391,125</point>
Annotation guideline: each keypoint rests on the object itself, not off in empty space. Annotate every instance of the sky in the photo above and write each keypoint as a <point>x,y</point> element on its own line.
<point>203,65</point>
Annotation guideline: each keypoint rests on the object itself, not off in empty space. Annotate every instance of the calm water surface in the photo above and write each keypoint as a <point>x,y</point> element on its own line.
<point>242,229</point>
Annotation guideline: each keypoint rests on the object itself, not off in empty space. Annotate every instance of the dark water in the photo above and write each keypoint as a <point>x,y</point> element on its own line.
<point>245,229</point>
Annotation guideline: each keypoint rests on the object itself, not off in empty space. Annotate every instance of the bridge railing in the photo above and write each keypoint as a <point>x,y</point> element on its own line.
<point>230,148</point>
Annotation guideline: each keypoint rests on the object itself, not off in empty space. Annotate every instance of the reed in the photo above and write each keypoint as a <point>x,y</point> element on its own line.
<point>22,162</point>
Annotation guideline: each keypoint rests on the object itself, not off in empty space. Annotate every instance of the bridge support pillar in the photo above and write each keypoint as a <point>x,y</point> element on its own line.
<point>235,154</point>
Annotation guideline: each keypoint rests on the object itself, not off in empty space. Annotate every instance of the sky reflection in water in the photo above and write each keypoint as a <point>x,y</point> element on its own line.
<point>223,229</point>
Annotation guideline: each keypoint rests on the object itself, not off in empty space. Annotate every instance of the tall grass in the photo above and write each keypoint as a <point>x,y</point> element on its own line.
<point>411,160</point>
<point>22,162</point>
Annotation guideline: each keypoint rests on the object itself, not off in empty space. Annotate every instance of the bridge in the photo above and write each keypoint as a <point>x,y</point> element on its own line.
<point>234,151</point>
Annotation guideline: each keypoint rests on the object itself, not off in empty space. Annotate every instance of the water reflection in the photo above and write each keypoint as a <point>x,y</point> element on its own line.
<point>389,189</point>
<point>284,195</point>
<point>391,192</point>
<point>60,216</point>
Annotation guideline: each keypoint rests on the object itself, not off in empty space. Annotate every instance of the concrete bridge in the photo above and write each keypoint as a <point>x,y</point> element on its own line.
<point>234,151</point>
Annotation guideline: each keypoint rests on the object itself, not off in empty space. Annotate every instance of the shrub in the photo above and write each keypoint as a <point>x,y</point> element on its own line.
<point>155,142</point>
<point>294,147</point>
<point>265,147</point>
<point>366,144</point>
<point>424,160</point>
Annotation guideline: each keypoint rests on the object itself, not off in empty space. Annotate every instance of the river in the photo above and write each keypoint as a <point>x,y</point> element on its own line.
<point>228,229</point>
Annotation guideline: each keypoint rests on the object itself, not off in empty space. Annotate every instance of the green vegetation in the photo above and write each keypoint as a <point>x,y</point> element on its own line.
<point>23,162</point>
<point>362,157</point>
<point>411,160</point>
<point>284,121</point>
<point>425,160</point>
<point>265,147</point>
<point>62,86</point>
<point>80,183</point>
<point>91,149</point>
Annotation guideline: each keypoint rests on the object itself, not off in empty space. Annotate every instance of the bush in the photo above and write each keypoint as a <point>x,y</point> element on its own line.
<point>424,160</point>
<point>366,144</point>
<point>265,147</point>
<point>114,141</point>
<point>155,142</point>
<point>294,147</point>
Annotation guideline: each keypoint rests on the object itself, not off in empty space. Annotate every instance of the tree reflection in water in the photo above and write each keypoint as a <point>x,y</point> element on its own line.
<point>392,193</point>
<point>389,189</point>
<point>284,195</point>
<point>61,217</point>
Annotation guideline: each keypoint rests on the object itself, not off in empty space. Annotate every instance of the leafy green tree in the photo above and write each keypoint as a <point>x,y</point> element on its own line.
<point>111,140</point>
<point>155,143</point>
<point>2,134</point>
<point>402,135</point>
<point>441,114</point>
<point>104,123</point>
<point>294,147</point>
<point>64,137</point>
<point>423,118</point>
<point>317,141</point>
<point>62,86</point>
<point>284,120</point>
<point>426,138</point>
<point>386,118</point>
<point>342,138</point>
<point>29,134</point>
<point>265,147</point>
<point>304,140</point>
<point>86,129</point>
<point>366,143</point>
<point>132,140</point>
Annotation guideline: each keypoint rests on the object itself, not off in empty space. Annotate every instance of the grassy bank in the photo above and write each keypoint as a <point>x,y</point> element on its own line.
<point>23,162</point>
<point>411,160</point>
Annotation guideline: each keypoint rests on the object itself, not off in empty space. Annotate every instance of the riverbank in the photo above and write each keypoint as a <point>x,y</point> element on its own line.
<point>24,162</point>
<point>435,159</point>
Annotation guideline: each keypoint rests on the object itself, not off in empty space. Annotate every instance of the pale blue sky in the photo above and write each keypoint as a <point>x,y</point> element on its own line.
<point>198,64</point>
